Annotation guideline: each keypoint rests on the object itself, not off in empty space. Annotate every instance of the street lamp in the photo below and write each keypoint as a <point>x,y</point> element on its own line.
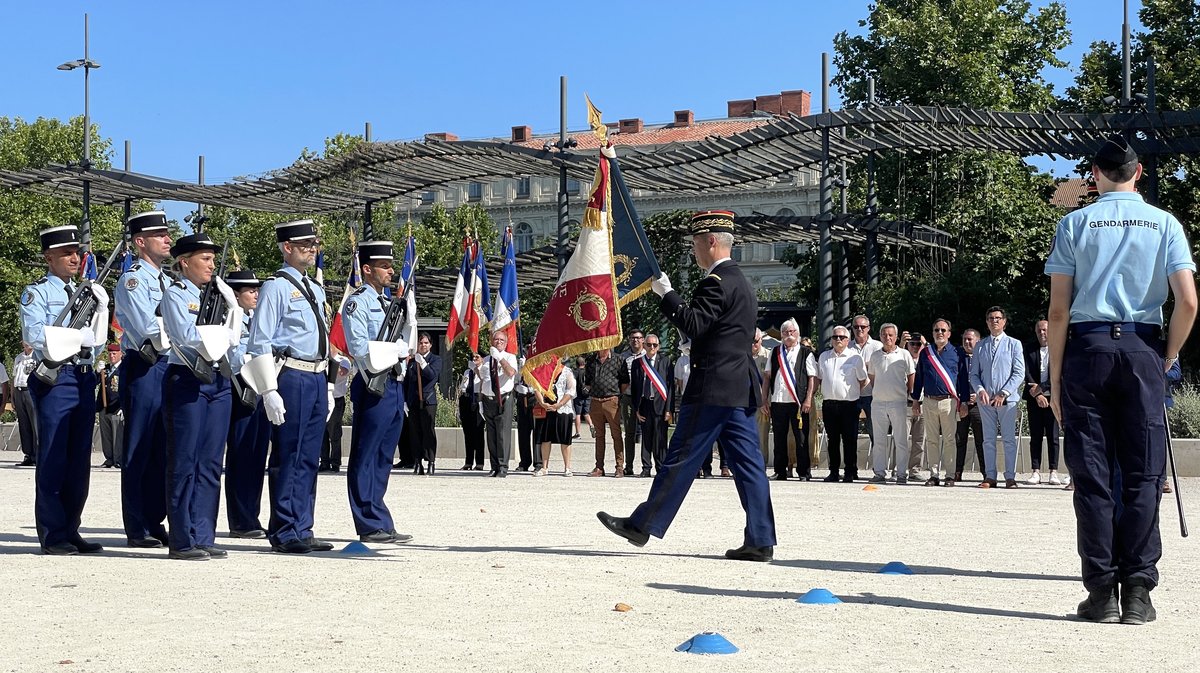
<point>88,65</point>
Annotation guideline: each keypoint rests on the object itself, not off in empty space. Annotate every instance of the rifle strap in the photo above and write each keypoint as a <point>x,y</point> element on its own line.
<point>322,333</point>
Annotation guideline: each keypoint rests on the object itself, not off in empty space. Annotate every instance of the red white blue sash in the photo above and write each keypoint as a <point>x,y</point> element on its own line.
<point>941,372</point>
<point>789,375</point>
<point>654,377</point>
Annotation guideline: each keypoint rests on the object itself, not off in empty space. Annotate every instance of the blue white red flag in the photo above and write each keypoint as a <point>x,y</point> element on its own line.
<point>507,310</point>
<point>337,335</point>
<point>461,308</point>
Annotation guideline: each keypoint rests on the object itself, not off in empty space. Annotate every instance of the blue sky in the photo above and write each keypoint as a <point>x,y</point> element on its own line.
<point>250,84</point>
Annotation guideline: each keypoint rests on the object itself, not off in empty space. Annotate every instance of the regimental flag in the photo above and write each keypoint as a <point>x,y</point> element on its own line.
<point>87,266</point>
<point>582,314</point>
<point>634,262</point>
<point>337,335</point>
<point>408,289</point>
<point>461,309</point>
<point>481,299</point>
<point>507,311</point>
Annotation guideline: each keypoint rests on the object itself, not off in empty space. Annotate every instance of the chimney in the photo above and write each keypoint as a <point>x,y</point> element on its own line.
<point>797,102</point>
<point>741,108</point>
<point>521,134</point>
<point>631,126</point>
<point>772,103</point>
<point>684,118</point>
<point>444,137</point>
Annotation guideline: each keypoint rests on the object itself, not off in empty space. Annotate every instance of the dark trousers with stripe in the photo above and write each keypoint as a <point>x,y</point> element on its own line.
<point>1114,439</point>
<point>295,453</point>
<point>245,465</point>
<point>698,427</point>
<point>144,462</point>
<point>66,413</point>
<point>373,434</point>
<point>197,417</point>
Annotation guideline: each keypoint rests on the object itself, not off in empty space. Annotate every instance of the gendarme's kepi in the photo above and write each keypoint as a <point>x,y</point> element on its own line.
<point>711,222</point>
<point>298,230</point>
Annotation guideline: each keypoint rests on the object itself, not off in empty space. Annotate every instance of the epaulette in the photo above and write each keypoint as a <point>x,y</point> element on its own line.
<point>137,266</point>
<point>179,284</point>
<point>361,289</point>
<point>43,279</point>
<point>713,275</point>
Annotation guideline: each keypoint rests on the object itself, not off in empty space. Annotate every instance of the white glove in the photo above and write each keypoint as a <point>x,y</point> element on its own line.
<point>87,337</point>
<point>661,285</point>
<point>329,399</point>
<point>419,358</point>
<point>225,291</point>
<point>273,404</point>
<point>99,366</point>
<point>100,295</point>
<point>234,337</point>
<point>496,354</point>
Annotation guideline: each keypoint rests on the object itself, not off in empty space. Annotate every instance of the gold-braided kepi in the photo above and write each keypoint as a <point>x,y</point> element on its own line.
<point>711,222</point>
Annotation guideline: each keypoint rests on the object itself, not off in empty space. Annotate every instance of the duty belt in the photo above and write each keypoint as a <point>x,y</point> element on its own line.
<point>311,366</point>
<point>1115,329</point>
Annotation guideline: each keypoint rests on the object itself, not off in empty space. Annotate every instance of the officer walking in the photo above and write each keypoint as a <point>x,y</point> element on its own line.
<point>65,407</point>
<point>138,297</point>
<point>378,419</point>
<point>249,430</point>
<point>196,399</point>
<point>289,327</point>
<point>720,400</point>
<point>1110,268</point>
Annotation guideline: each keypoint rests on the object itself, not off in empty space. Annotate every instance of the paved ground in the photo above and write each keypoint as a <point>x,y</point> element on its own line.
<point>517,574</point>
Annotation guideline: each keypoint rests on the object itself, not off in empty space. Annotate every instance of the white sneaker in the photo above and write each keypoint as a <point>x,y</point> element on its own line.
<point>540,472</point>
<point>1034,479</point>
<point>1054,480</point>
<point>568,473</point>
<point>1066,480</point>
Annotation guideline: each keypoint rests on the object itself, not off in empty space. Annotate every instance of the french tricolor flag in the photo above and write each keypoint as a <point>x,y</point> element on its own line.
<point>507,310</point>
<point>461,309</point>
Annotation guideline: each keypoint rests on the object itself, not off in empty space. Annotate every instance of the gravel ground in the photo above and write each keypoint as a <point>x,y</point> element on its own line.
<point>515,574</point>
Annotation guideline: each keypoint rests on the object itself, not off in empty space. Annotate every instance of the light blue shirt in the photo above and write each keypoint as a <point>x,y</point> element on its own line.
<point>362,318</point>
<point>284,322</point>
<point>138,296</point>
<point>180,306</point>
<point>998,366</point>
<point>1120,252</point>
<point>236,353</point>
<point>41,303</point>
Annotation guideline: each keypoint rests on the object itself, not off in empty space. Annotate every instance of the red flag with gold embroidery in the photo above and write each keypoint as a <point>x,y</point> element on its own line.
<point>582,315</point>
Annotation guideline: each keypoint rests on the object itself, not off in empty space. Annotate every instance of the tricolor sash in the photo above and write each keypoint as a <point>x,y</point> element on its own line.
<point>789,376</point>
<point>654,377</point>
<point>941,372</point>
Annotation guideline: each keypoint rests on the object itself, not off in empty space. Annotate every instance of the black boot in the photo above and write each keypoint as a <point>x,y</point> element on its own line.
<point>431,468</point>
<point>1136,607</point>
<point>1101,606</point>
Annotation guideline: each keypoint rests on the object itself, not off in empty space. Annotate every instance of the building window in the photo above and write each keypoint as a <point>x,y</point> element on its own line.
<point>475,191</point>
<point>785,212</point>
<point>778,250</point>
<point>523,188</point>
<point>428,198</point>
<point>736,253</point>
<point>522,237</point>
<point>572,186</point>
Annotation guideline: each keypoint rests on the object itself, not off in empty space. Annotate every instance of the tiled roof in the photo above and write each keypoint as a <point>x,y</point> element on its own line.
<point>659,135</point>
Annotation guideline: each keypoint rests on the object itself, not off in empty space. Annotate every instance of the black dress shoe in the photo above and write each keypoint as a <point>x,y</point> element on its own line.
<point>629,472</point>
<point>317,545</point>
<point>831,478</point>
<point>400,538</point>
<point>849,478</point>
<point>493,473</point>
<point>252,534</point>
<point>291,547</point>
<point>479,468</point>
<point>162,537</point>
<point>1100,606</point>
<point>60,549</point>
<point>748,553</point>
<point>193,554</point>
<point>431,468</point>
<point>780,477</point>
<point>28,462</point>
<point>623,528</point>
<point>1136,607</point>
<point>466,468</point>
<point>323,468</point>
<point>213,551</point>
<point>644,474</point>
<point>377,536</point>
<point>145,543</point>
<point>418,469</point>
<point>86,547</point>
<point>107,463</point>
<point>706,475</point>
<point>502,473</point>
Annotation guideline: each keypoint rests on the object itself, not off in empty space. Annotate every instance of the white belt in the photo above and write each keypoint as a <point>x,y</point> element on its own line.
<point>305,365</point>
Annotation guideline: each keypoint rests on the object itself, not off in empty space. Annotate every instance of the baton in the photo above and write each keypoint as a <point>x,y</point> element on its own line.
<point>1183,529</point>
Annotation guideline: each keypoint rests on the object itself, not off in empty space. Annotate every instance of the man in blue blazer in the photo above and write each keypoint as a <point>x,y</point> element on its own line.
<point>997,374</point>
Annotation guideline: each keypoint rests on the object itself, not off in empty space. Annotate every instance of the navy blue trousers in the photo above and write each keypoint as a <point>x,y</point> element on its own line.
<point>66,415</point>
<point>1114,423</point>
<point>144,466</point>
<point>245,465</point>
<point>698,427</point>
<point>197,416</point>
<point>295,455</point>
<point>373,434</point>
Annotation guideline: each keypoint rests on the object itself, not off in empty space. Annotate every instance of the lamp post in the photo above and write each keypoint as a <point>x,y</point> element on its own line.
<point>88,65</point>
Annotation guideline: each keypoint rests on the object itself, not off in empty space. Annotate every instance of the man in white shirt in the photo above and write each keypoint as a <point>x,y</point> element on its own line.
<point>842,375</point>
<point>788,385</point>
<point>892,371</point>
<point>23,366</point>
<point>497,376</point>
<point>1042,424</point>
<point>862,343</point>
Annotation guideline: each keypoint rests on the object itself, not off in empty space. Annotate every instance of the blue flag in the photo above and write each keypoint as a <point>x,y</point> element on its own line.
<point>634,263</point>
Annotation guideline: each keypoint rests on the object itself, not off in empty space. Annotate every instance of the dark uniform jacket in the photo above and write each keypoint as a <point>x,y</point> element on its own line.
<point>720,319</point>
<point>1033,372</point>
<point>639,383</point>
<point>430,374</point>
<point>111,380</point>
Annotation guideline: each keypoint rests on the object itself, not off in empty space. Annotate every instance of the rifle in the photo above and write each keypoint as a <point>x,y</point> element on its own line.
<point>81,307</point>
<point>393,322</point>
<point>212,312</point>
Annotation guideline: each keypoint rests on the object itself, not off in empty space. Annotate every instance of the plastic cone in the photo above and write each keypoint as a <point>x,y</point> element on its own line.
<point>707,643</point>
<point>819,597</point>
<point>896,568</point>
<point>356,548</point>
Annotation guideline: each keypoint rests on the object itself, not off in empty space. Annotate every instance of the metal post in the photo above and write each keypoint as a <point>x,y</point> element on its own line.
<point>844,280</point>
<point>367,132</point>
<point>200,206</point>
<point>1150,157</point>
<point>86,233</point>
<point>872,242</point>
<point>564,213</point>
<point>825,219</point>
<point>1126,84</point>
<point>128,202</point>
<point>368,230</point>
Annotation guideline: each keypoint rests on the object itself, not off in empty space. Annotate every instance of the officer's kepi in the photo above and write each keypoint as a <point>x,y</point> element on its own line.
<point>1114,153</point>
<point>193,243</point>
<point>59,237</point>
<point>145,223</point>
<point>299,230</point>
<point>373,250</point>
<point>242,278</point>
<point>711,222</point>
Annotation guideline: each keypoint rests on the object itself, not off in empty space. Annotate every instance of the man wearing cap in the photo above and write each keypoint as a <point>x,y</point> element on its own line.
<point>196,398</point>
<point>138,296</point>
<point>289,330</point>
<point>721,398</point>
<point>65,406</point>
<point>249,430</point>
<point>108,407</point>
<point>378,419</point>
<point>1110,266</point>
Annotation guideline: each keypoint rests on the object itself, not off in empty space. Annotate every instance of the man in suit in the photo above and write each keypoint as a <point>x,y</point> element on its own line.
<point>1037,405</point>
<point>721,399</point>
<point>787,400</point>
<point>650,391</point>
<point>420,393</point>
<point>108,406</point>
<point>997,372</point>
